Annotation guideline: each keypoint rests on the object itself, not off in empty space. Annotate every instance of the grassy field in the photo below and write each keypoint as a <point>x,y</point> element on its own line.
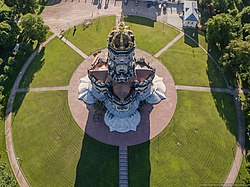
<point>94,37</point>
<point>53,66</point>
<point>190,66</point>
<point>195,148</point>
<point>53,149</point>
<point>150,36</point>
<point>154,36</point>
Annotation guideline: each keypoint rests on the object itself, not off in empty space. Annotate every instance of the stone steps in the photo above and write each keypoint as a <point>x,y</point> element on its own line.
<point>123,166</point>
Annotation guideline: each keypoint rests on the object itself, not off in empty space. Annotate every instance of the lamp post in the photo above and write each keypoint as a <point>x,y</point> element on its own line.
<point>19,161</point>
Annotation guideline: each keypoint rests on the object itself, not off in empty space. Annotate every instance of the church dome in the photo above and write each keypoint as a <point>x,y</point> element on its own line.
<point>121,38</point>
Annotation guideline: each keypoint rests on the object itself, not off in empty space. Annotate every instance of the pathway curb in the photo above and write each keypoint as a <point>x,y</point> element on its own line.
<point>43,89</point>
<point>16,167</point>
<point>73,47</point>
<point>179,36</point>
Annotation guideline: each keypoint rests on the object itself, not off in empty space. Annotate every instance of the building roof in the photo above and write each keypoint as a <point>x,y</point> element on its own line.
<point>190,11</point>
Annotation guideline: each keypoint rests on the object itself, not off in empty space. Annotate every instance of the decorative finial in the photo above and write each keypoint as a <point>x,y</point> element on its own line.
<point>122,26</point>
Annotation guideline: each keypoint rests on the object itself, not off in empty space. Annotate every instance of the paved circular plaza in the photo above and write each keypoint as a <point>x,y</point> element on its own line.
<point>153,118</point>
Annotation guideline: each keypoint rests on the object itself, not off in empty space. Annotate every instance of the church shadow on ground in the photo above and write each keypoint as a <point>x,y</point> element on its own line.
<point>98,165</point>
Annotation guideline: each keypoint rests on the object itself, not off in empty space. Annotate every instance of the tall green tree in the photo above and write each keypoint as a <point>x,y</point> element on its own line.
<point>221,29</point>
<point>246,31</point>
<point>237,59</point>
<point>22,6</point>
<point>245,15</point>
<point>223,6</point>
<point>33,28</point>
<point>8,30</point>
<point>7,36</point>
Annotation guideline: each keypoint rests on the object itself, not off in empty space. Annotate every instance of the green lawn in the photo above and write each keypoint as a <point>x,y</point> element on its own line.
<point>150,37</point>
<point>190,66</point>
<point>54,150</point>
<point>53,66</point>
<point>195,148</point>
<point>94,37</point>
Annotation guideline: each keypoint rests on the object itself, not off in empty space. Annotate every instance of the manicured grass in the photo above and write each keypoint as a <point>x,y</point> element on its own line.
<point>195,148</point>
<point>191,66</point>
<point>150,38</point>
<point>54,150</point>
<point>94,37</point>
<point>53,66</point>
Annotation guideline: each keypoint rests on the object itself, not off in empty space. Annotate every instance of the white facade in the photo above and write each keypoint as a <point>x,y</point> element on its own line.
<point>192,24</point>
<point>191,17</point>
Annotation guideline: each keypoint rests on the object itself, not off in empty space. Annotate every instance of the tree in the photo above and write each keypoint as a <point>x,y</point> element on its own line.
<point>10,3</point>
<point>8,30</point>
<point>22,6</point>
<point>237,59</point>
<point>245,15</point>
<point>205,2</point>
<point>7,35</point>
<point>246,31</point>
<point>33,28</point>
<point>222,6</point>
<point>221,29</point>
<point>7,179</point>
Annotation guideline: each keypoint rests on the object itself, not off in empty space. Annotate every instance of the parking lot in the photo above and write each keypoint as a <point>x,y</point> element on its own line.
<point>66,14</point>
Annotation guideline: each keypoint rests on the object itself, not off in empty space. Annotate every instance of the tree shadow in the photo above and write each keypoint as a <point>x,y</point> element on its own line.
<point>140,20</point>
<point>215,78</point>
<point>33,68</point>
<point>98,164</point>
<point>19,98</point>
<point>216,53</point>
<point>51,2</point>
<point>224,101</point>
<point>191,37</point>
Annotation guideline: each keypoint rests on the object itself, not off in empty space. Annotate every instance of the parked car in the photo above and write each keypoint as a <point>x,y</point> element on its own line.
<point>159,6</point>
<point>136,3</point>
<point>164,5</point>
<point>149,4</point>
